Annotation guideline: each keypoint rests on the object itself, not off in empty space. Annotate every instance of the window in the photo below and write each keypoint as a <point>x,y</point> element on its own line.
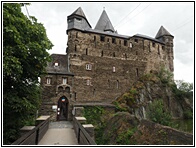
<point>130,45</point>
<point>108,40</point>
<point>120,42</point>
<point>114,55</point>
<point>78,19</point>
<point>88,82</point>
<point>117,84</point>
<point>163,47</point>
<point>86,51</point>
<point>137,72</point>
<point>125,42</point>
<point>158,50</point>
<point>102,38</point>
<point>114,69</point>
<point>75,48</point>
<point>102,53</point>
<point>88,67</point>
<point>113,40</point>
<point>48,81</point>
<point>136,40</point>
<point>153,44</point>
<point>94,38</point>
<point>56,64</point>
<point>64,80</point>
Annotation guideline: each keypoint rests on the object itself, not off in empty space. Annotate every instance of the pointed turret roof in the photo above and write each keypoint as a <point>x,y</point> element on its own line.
<point>104,23</point>
<point>79,12</point>
<point>162,31</point>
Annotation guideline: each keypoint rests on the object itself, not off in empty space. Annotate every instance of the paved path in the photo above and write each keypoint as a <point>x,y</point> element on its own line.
<point>59,133</point>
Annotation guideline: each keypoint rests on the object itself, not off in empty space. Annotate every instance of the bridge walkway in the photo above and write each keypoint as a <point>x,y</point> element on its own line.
<point>59,133</point>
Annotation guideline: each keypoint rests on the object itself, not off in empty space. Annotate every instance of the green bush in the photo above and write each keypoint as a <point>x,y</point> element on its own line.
<point>158,114</point>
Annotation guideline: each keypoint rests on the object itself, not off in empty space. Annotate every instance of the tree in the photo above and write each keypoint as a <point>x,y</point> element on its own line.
<point>184,86</point>
<point>25,57</point>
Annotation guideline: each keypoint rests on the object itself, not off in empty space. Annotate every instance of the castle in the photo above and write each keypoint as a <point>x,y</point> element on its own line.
<point>100,64</point>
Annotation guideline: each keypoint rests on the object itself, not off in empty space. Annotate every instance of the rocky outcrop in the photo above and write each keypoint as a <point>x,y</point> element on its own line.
<point>150,133</point>
<point>147,89</point>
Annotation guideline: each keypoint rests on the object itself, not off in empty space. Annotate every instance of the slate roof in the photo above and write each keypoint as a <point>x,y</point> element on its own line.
<point>104,23</point>
<point>162,31</point>
<point>62,67</point>
<point>149,38</point>
<point>79,12</point>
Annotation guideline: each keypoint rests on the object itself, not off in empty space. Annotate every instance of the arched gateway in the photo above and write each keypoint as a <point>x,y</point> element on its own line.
<point>62,109</point>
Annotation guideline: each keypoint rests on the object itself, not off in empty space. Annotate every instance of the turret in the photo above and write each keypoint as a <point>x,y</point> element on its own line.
<point>104,23</point>
<point>164,36</point>
<point>78,20</point>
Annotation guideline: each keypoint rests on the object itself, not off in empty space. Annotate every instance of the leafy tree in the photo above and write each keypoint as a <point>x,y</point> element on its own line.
<point>25,57</point>
<point>184,86</point>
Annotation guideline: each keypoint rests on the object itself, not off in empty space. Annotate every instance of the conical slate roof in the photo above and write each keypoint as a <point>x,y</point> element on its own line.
<point>104,23</point>
<point>162,31</point>
<point>79,12</point>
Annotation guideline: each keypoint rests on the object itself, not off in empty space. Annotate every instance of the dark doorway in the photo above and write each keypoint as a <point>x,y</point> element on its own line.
<point>62,110</point>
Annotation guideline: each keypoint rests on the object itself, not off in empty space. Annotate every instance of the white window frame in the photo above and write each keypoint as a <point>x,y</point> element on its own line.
<point>130,45</point>
<point>56,64</point>
<point>88,82</point>
<point>88,67</point>
<point>48,80</point>
<point>64,80</point>
<point>113,69</point>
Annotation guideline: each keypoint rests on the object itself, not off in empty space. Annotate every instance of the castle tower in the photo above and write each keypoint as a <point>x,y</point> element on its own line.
<point>78,20</point>
<point>104,23</point>
<point>164,36</point>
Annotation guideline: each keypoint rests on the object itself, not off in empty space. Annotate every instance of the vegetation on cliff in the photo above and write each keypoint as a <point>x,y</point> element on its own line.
<point>155,97</point>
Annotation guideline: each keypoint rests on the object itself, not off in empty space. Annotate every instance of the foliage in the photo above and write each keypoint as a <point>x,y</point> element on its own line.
<point>165,76</point>
<point>93,116</point>
<point>119,107</point>
<point>25,57</point>
<point>184,86</point>
<point>188,114</point>
<point>158,114</point>
<point>124,137</point>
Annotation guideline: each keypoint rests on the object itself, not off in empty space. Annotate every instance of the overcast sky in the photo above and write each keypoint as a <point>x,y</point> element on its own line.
<point>128,18</point>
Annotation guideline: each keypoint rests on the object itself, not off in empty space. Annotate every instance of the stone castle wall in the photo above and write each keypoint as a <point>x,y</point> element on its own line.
<point>115,63</point>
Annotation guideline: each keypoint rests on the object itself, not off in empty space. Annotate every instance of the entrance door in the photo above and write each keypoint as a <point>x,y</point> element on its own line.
<point>62,110</point>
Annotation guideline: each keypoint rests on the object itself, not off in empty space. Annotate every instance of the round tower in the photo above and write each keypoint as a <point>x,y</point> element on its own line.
<point>164,36</point>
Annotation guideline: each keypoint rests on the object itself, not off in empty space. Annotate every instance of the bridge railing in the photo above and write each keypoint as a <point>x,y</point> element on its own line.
<point>33,136</point>
<point>82,134</point>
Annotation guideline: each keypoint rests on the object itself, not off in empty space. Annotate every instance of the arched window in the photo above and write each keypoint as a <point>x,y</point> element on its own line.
<point>60,89</point>
<point>67,90</point>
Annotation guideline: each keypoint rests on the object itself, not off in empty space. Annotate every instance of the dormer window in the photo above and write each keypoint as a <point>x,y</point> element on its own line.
<point>78,19</point>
